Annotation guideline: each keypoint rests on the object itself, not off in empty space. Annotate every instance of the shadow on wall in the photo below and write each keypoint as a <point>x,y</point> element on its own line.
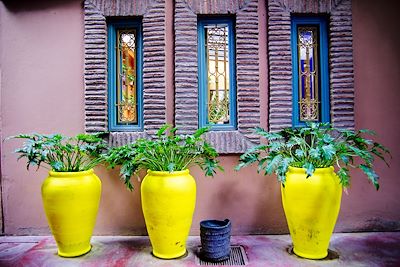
<point>265,209</point>
<point>28,5</point>
<point>250,200</point>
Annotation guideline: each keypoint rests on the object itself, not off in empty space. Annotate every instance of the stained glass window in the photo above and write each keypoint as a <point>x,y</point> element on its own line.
<point>217,50</point>
<point>310,70</point>
<point>124,75</point>
<point>217,73</point>
<point>308,73</point>
<point>126,80</point>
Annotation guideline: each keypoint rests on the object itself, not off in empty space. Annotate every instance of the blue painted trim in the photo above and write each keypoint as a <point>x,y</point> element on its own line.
<point>203,79</point>
<point>321,22</point>
<point>113,27</point>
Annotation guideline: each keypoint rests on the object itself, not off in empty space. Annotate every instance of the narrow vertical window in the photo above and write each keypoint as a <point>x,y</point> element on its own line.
<point>124,76</point>
<point>217,74</point>
<point>309,101</point>
<point>310,70</point>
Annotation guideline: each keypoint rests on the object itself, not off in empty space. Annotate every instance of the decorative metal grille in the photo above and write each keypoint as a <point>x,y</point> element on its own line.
<point>126,80</point>
<point>217,53</point>
<point>308,73</point>
<point>237,257</point>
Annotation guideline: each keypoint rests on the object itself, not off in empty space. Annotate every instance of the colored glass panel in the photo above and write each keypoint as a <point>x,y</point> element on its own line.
<point>310,59</point>
<point>217,58</point>
<point>126,101</point>
<point>308,73</point>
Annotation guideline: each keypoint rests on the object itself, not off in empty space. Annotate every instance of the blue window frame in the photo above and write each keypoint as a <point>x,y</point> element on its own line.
<point>217,73</point>
<point>309,44</point>
<point>125,61</point>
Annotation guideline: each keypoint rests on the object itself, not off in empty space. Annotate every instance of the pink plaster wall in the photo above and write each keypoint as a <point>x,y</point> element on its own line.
<point>377,79</point>
<point>42,83</point>
<point>41,52</point>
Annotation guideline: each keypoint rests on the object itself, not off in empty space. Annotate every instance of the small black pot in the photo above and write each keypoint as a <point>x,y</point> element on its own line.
<point>215,240</point>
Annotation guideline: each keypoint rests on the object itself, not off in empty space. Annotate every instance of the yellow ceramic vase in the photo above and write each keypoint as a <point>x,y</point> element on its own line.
<point>168,202</point>
<point>71,201</point>
<point>311,207</point>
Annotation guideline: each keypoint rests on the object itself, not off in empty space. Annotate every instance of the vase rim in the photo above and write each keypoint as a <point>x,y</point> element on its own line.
<point>318,170</point>
<point>215,224</point>
<point>69,174</point>
<point>167,173</point>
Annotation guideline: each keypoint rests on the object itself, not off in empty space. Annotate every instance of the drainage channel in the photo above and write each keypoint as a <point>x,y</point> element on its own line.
<point>237,258</point>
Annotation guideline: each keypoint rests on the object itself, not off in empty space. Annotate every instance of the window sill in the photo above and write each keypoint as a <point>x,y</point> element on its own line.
<point>228,142</point>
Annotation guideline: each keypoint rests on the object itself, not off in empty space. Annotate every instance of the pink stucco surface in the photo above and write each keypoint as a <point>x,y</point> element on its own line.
<point>41,86</point>
<point>377,79</point>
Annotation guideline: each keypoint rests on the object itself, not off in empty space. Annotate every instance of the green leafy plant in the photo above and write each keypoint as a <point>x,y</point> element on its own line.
<point>318,145</point>
<point>218,109</point>
<point>60,153</point>
<point>168,152</point>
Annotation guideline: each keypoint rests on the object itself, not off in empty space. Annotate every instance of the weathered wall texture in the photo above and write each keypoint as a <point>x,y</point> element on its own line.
<point>377,78</point>
<point>42,90</point>
<point>341,80</point>
<point>154,64</point>
<point>247,65</point>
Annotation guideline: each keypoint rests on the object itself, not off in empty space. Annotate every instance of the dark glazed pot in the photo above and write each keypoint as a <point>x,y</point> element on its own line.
<point>215,240</point>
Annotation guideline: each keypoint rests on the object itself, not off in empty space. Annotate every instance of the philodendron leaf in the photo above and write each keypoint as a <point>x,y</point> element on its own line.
<point>270,136</point>
<point>171,167</point>
<point>344,176</point>
<point>379,155</point>
<point>309,168</point>
<point>273,164</point>
<point>314,153</point>
<point>57,165</point>
<point>161,131</point>
<point>345,159</point>
<point>282,169</point>
<point>327,138</point>
<point>372,176</point>
<point>371,132</point>
<point>247,159</point>
<point>299,153</point>
<point>328,151</point>
<point>200,132</point>
<point>384,149</point>
<point>282,178</point>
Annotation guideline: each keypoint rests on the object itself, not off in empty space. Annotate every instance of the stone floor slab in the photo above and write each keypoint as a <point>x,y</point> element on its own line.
<point>354,249</point>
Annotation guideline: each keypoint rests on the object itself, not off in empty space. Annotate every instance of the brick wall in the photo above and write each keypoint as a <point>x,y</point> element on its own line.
<point>247,62</point>
<point>340,59</point>
<point>95,72</point>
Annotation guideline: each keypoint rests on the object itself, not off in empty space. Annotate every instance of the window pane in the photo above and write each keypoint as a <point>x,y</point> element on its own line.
<point>126,77</point>
<point>217,58</point>
<point>308,73</point>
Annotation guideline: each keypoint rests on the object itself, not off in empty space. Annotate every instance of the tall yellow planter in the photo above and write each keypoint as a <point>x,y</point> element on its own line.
<point>311,207</point>
<point>71,201</point>
<point>168,202</point>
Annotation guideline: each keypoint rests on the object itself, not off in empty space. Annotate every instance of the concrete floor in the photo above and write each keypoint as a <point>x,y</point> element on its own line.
<point>354,249</point>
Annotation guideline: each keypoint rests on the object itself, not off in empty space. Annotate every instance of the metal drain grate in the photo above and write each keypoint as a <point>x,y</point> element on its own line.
<point>238,257</point>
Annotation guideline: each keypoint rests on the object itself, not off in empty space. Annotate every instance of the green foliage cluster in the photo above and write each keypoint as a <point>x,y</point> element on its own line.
<point>168,152</point>
<point>218,109</point>
<point>60,153</point>
<point>318,145</point>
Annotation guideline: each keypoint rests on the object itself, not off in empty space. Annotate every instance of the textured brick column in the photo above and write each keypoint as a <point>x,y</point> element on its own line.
<point>340,59</point>
<point>247,68</point>
<point>95,73</point>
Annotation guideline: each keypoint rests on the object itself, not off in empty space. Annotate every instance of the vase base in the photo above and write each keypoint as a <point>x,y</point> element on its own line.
<point>214,259</point>
<point>75,253</point>
<point>310,256</point>
<point>169,256</point>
